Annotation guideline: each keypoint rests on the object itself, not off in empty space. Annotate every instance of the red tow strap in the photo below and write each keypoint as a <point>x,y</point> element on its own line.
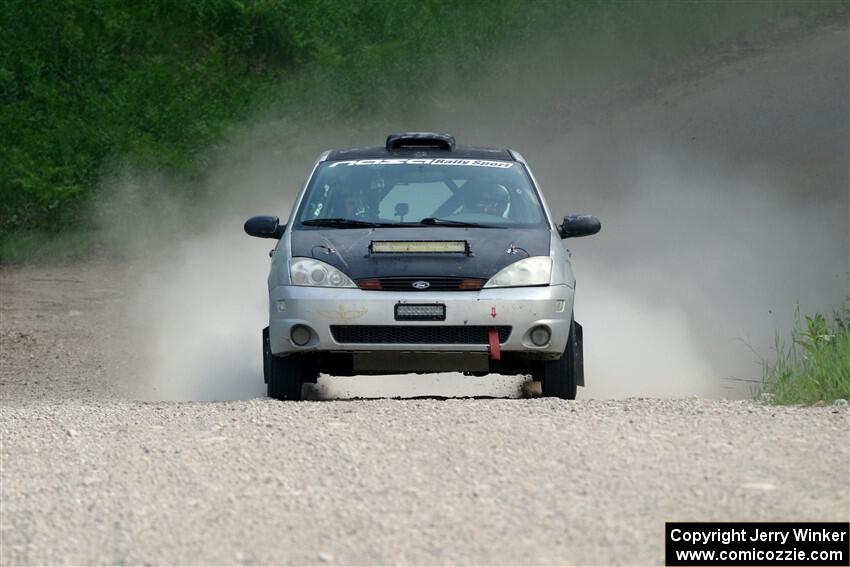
<point>493,339</point>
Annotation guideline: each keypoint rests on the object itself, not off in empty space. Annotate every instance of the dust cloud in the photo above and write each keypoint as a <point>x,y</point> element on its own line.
<point>196,284</point>
<point>722,189</point>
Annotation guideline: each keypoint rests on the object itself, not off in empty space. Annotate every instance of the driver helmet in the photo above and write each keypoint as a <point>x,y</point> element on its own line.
<point>486,198</point>
<point>349,203</point>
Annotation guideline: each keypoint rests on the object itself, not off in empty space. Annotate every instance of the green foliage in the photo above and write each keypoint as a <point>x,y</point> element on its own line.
<point>41,246</point>
<point>89,85</point>
<point>816,367</point>
<point>81,81</point>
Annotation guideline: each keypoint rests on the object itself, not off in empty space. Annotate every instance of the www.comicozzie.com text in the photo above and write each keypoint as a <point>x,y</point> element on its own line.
<point>743,534</point>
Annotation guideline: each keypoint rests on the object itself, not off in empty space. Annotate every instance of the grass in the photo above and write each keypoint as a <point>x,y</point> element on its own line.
<point>815,367</point>
<point>38,246</point>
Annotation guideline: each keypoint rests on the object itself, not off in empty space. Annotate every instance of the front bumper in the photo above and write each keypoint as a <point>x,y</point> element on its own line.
<point>521,308</point>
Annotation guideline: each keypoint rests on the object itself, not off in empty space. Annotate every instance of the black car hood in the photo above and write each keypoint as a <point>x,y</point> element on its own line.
<point>490,250</point>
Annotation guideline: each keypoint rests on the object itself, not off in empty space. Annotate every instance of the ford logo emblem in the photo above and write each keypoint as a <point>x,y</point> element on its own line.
<point>421,285</point>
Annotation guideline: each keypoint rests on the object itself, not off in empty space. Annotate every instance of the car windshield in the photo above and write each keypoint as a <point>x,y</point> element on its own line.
<point>442,192</point>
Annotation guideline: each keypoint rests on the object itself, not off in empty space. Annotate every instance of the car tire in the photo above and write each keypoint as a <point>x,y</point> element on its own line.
<point>559,376</point>
<point>267,355</point>
<point>286,377</point>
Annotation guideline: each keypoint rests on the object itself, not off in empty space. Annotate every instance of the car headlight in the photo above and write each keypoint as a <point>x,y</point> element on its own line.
<point>310,272</point>
<point>536,270</point>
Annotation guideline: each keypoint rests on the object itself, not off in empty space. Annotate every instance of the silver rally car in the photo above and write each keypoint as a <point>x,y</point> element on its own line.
<point>421,256</point>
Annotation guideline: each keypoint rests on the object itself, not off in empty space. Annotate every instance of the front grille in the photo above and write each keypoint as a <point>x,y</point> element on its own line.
<point>434,284</point>
<point>416,334</point>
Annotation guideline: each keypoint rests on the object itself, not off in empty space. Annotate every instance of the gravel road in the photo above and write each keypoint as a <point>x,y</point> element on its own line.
<point>404,481</point>
<point>88,475</point>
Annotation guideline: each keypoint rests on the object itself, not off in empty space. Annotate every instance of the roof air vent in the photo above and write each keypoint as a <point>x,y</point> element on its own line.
<point>420,141</point>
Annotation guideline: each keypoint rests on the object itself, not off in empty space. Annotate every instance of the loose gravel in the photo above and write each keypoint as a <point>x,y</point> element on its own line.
<point>536,481</point>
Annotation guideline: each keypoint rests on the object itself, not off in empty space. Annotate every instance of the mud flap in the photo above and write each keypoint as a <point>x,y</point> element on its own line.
<point>493,340</point>
<point>579,361</point>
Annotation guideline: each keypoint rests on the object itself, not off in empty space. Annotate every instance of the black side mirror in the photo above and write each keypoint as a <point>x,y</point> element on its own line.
<point>579,225</point>
<point>264,227</point>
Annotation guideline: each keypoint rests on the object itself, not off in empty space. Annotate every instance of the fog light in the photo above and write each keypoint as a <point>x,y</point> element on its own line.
<point>281,305</point>
<point>300,335</point>
<point>540,335</point>
<point>559,305</point>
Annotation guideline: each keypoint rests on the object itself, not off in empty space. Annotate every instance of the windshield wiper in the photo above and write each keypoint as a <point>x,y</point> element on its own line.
<point>346,223</point>
<point>431,221</point>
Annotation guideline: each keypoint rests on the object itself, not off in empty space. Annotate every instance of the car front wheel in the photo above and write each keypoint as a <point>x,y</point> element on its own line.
<point>560,376</point>
<point>284,375</point>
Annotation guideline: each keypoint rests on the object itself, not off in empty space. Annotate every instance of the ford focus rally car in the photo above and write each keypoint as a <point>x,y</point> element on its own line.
<point>421,256</point>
